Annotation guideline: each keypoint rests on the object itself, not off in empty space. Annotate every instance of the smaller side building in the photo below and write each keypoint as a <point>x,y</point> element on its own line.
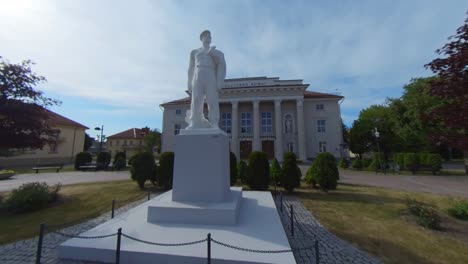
<point>129,141</point>
<point>70,142</point>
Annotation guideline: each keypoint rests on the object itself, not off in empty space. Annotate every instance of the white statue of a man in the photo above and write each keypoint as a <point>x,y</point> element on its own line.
<point>206,73</point>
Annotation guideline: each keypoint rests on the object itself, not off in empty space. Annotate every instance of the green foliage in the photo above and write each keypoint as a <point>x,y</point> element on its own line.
<point>459,210</point>
<point>360,138</point>
<point>324,172</point>
<point>344,164</point>
<point>423,158</point>
<point>411,162</point>
<point>242,171</point>
<point>82,158</point>
<point>357,164</point>
<point>275,172</point>
<point>142,168</point>
<point>88,142</point>
<point>119,163</point>
<point>399,159</point>
<point>166,170</point>
<point>233,168</point>
<point>366,163</point>
<point>152,140</point>
<point>104,159</point>
<point>377,162</point>
<point>258,176</point>
<point>435,161</point>
<point>120,154</point>
<point>426,216</point>
<point>31,196</point>
<point>154,176</point>
<point>291,174</point>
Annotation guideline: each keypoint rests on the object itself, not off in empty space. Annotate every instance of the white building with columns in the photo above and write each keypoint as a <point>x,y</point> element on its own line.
<point>270,115</point>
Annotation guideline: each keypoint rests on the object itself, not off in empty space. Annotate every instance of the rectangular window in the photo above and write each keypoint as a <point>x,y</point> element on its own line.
<point>226,122</point>
<point>290,147</point>
<point>176,129</point>
<point>322,146</point>
<point>246,123</point>
<point>53,148</point>
<point>321,126</point>
<point>178,111</point>
<point>319,107</point>
<point>110,143</point>
<point>267,123</point>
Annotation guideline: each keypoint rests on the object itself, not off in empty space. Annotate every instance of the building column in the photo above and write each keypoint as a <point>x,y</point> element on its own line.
<point>278,131</point>
<point>301,129</point>
<point>256,146</point>
<point>235,129</point>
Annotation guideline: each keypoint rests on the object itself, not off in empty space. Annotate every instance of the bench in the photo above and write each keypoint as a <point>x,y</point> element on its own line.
<point>92,166</point>
<point>56,167</point>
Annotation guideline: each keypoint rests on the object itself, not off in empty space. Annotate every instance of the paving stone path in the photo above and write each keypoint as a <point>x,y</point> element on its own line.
<point>307,229</point>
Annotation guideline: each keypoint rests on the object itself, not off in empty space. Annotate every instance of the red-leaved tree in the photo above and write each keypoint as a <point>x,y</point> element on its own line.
<point>451,86</point>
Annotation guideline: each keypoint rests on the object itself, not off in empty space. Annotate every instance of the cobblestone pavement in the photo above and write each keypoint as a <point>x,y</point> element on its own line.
<point>307,229</point>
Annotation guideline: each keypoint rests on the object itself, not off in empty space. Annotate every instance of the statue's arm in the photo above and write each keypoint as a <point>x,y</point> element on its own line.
<point>190,70</point>
<point>221,71</point>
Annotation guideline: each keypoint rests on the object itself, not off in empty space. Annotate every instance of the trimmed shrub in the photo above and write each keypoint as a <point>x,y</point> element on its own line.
<point>233,168</point>
<point>426,216</point>
<point>103,159</point>
<point>435,161</point>
<point>423,158</point>
<point>357,164</point>
<point>82,158</point>
<point>366,163</point>
<point>275,172</point>
<point>291,174</point>
<point>120,154</point>
<point>411,162</point>
<point>28,197</point>
<point>344,164</point>
<point>242,171</point>
<point>258,176</point>
<point>324,172</point>
<point>119,163</point>
<point>166,170</point>
<point>459,210</point>
<point>142,168</point>
<point>399,160</point>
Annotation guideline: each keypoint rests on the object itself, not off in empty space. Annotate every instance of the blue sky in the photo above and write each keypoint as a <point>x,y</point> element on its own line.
<point>115,62</point>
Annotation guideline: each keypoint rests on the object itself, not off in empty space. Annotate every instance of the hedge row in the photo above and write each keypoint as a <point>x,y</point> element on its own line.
<point>418,161</point>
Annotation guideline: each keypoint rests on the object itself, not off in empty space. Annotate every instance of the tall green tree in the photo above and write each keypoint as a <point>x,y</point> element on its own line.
<point>360,138</point>
<point>152,140</point>
<point>88,142</point>
<point>23,112</point>
<point>451,86</point>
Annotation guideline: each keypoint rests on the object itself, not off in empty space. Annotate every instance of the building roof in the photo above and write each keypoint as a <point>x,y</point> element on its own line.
<point>132,133</point>
<point>316,95</point>
<point>59,120</point>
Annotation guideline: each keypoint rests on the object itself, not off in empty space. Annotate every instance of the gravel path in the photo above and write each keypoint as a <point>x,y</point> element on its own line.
<point>332,249</point>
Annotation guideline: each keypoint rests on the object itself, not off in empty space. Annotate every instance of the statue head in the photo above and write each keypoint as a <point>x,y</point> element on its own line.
<point>205,37</point>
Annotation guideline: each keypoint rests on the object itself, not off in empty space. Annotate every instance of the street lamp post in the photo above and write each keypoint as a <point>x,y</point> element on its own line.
<point>100,142</point>
<point>377,136</point>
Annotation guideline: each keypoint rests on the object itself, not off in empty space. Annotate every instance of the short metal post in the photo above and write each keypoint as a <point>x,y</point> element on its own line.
<point>208,241</point>
<point>281,201</point>
<point>117,252</point>
<point>149,194</point>
<point>292,220</point>
<point>39,244</point>
<point>317,256</point>
<point>113,207</point>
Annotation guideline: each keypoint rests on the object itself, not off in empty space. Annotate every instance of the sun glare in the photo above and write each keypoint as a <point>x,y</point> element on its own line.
<point>16,8</point>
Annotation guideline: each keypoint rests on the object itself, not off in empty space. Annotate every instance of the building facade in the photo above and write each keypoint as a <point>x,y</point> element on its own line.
<point>70,142</point>
<point>270,115</point>
<point>129,141</point>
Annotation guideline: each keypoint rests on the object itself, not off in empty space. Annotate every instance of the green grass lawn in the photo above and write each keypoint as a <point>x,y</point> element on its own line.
<point>443,172</point>
<point>76,202</point>
<point>377,221</point>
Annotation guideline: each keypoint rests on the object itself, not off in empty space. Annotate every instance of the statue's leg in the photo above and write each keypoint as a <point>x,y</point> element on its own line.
<point>197,104</point>
<point>212,99</point>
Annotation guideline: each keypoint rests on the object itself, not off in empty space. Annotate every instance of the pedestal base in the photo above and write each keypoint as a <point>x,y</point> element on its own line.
<point>164,210</point>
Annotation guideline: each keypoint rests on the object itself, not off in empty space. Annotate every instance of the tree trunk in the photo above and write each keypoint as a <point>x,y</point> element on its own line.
<point>465,155</point>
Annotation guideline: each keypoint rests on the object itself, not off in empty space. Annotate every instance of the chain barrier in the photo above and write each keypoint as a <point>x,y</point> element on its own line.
<point>251,250</point>
<point>164,244</point>
<point>83,237</point>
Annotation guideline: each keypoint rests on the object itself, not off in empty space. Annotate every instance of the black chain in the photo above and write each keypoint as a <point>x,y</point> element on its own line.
<point>164,244</point>
<point>83,237</point>
<point>251,250</point>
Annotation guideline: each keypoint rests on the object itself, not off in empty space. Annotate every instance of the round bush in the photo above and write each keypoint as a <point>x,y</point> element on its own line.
<point>435,161</point>
<point>166,170</point>
<point>28,197</point>
<point>357,164</point>
<point>119,163</point>
<point>324,172</point>
<point>233,168</point>
<point>258,177</point>
<point>275,172</point>
<point>82,158</point>
<point>103,159</point>
<point>291,174</point>
<point>120,154</point>
<point>142,168</point>
<point>242,171</point>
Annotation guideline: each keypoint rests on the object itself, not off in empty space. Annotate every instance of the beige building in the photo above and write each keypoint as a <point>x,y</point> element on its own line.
<point>129,141</point>
<point>270,115</point>
<point>70,142</point>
